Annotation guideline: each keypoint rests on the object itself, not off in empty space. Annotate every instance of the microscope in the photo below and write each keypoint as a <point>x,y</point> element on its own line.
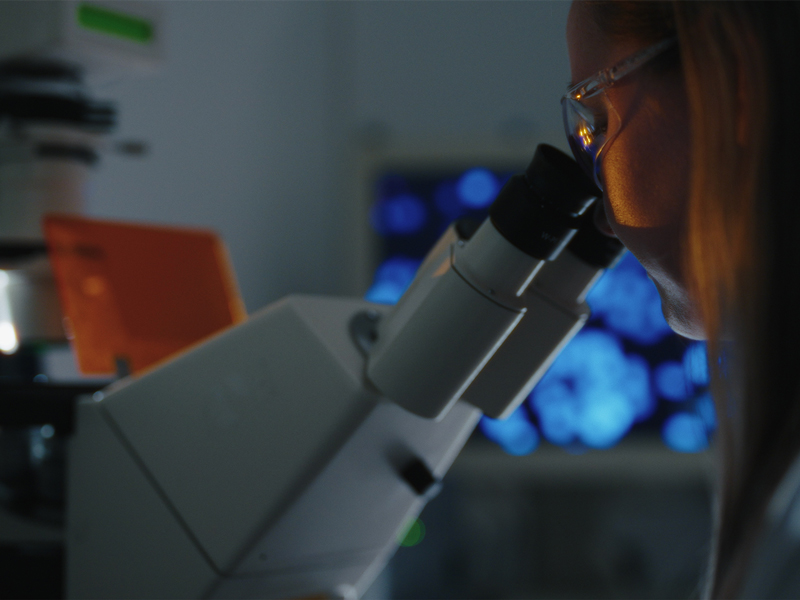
<point>284,456</point>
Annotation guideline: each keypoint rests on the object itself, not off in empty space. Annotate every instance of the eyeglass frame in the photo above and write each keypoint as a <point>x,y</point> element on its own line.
<point>599,83</point>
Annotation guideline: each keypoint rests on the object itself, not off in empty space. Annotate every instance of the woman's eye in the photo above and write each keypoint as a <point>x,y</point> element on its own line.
<point>600,124</point>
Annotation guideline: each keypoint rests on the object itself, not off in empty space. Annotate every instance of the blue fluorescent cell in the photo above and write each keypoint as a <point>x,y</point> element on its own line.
<point>685,432</point>
<point>593,392</point>
<point>384,292</point>
<point>670,381</point>
<point>445,197</point>
<point>629,303</point>
<point>391,280</point>
<point>704,407</point>
<point>398,269</point>
<point>477,188</point>
<point>607,416</point>
<point>695,362</point>
<point>557,408</point>
<point>400,215</point>
<point>516,434</point>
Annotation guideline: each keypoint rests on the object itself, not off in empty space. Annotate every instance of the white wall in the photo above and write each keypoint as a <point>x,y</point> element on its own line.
<point>257,117</point>
<point>460,68</point>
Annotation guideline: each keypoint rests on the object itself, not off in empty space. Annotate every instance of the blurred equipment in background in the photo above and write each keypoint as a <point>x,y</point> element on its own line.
<point>50,134</point>
<point>53,132</point>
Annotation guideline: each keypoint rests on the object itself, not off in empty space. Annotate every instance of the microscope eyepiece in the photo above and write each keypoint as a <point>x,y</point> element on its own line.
<point>539,211</point>
<point>594,247</point>
<point>559,181</point>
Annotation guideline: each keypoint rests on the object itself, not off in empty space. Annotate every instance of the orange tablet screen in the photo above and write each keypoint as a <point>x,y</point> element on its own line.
<point>134,295</point>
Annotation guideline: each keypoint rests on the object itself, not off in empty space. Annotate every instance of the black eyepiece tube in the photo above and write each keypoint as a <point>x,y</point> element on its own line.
<point>539,211</point>
<point>594,247</point>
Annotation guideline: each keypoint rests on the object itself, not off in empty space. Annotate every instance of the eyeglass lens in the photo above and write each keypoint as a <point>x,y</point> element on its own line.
<point>585,136</point>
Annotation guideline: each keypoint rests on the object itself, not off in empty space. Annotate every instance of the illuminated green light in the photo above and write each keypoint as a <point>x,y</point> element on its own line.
<point>115,23</point>
<point>413,535</point>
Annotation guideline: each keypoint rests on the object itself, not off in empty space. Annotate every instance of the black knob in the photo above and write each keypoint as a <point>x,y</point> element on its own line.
<point>417,474</point>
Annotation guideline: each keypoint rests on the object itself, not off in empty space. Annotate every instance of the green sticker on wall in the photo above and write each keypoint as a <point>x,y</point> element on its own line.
<point>113,22</point>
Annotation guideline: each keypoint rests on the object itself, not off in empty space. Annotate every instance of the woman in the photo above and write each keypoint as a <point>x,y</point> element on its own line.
<point>683,113</point>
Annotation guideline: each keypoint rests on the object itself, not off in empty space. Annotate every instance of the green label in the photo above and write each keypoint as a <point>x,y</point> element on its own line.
<point>115,23</point>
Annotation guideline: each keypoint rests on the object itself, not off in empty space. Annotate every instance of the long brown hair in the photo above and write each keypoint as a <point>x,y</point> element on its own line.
<point>741,68</point>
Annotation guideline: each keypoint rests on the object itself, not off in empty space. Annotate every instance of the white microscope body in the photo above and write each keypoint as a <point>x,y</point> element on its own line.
<point>272,462</point>
<point>260,464</point>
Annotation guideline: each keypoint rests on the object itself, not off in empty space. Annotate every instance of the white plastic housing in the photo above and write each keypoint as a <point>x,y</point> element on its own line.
<point>449,323</point>
<point>258,464</point>
<point>29,302</point>
<point>496,266</point>
<point>51,29</point>
<point>556,312</point>
<point>31,185</point>
<point>567,278</point>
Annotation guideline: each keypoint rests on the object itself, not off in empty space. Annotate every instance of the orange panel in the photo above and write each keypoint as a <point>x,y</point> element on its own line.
<point>139,293</point>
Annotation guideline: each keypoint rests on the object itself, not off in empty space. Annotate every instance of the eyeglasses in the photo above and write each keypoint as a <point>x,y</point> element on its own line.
<point>590,120</point>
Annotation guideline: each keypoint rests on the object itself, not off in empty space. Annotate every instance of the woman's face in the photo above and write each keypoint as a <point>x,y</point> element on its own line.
<point>645,169</point>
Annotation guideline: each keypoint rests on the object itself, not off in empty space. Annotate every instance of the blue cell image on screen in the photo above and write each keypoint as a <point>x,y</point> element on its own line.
<point>626,371</point>
<point>447,201</point>
<point>477,188</point>
<point>404,214</point>
<point>391,280</point>
<point>685,432</point>
<point>695,363</point>
<point>628,303</point>
<point>704,407</point>
<point>671,381</point>
<point>516,435</point>
<point>593,393</point>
